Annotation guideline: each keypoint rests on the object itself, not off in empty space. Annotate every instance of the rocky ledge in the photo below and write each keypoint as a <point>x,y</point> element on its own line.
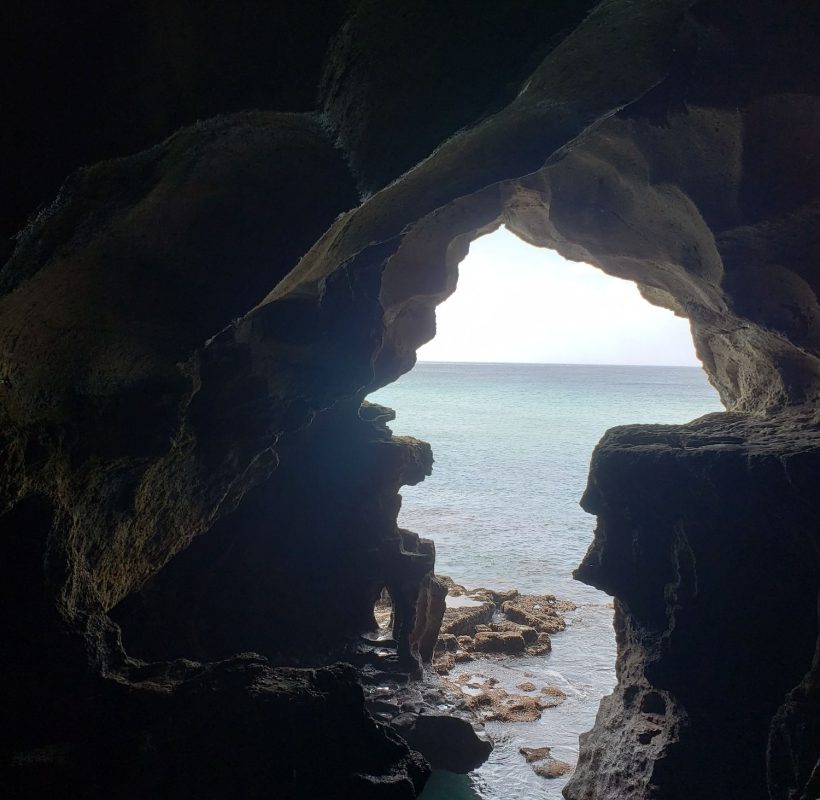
<point>188,729</point>
<point>482,696</point>
<point>489,622</point>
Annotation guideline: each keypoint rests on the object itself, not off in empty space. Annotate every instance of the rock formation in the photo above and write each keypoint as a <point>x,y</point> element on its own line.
<point>487,702</point>
<point>486,622</point>
<point>432,717</point>
<point>721,628</point>
<point>232,225</point>
<point>543,763</point>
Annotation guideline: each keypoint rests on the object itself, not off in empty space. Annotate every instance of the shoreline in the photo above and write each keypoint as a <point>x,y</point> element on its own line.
<point>499,625</point>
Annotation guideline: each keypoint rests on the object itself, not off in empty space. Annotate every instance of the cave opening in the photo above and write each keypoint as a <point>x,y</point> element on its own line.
<point>383,616</point>
<point>523,377</point>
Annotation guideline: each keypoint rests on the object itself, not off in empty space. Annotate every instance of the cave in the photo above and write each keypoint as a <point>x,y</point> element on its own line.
<point>224,227</point>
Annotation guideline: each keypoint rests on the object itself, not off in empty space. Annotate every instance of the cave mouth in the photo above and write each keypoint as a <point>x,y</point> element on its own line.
<point>383,616</point>
<point>513,393</point>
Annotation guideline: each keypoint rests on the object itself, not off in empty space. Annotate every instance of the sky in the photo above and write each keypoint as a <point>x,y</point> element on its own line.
<point>519,303</point>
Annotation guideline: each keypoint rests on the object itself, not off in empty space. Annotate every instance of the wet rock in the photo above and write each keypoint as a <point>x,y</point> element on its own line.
<point>543,763</point>
<point>431,717</point>
<point>552,700</point>
<point>453,589</point>
<point>551,768</point>
<point>515,708</point>
<point>508,642</point>
<point>490,703</point>
<point>526,686</point>
<point>494,596</point>
<point>530,635</point>
<point>542,645</point>
<point>540,612</point>
<point>472,618</point>
<point>214,727</point>
<point>534,753</point>
<point>553,691</point>
<point>444,660</point>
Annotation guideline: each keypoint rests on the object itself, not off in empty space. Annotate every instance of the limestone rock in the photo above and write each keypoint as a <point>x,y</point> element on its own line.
<point>508,642</point>
<point>540,612</point>
<point>551,768</point>
<point>727,489</point>
<point>470,615</point>
<point>513,708</point>
<point>429,611</point>
<point>463,621</point>
<point>553,691</point>
<point>534,753</point>
<point>542,645</point>
<point>488,702</point>
<point>530,635</point>
<point>543,763</point>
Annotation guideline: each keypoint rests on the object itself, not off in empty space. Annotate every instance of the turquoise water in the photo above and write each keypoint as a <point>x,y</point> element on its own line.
<point>512,444</point>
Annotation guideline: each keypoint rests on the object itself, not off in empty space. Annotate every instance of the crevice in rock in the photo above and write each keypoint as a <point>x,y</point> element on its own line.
<point>383,616</point>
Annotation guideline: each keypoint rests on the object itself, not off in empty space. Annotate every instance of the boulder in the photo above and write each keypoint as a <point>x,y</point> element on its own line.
<point>543,763</point>
<point>551,768</point>
<point>447,742</point>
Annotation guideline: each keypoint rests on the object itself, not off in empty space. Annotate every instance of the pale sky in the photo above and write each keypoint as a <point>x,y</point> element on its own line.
<point>516,302</point>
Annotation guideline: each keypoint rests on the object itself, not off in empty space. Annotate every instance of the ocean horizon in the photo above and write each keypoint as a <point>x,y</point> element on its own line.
<point>559,364</point>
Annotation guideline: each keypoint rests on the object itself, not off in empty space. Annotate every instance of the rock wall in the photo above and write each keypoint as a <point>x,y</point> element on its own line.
<point>188,334</point>
<point>298,595</point>
<point>707,537</point>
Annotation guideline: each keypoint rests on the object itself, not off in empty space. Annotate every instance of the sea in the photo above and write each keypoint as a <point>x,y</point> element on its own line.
<point>512,444</point>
